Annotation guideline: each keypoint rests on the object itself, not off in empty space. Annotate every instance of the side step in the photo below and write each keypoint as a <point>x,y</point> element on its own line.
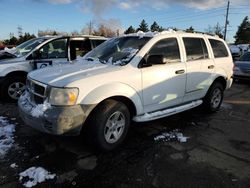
<point>167,112</point>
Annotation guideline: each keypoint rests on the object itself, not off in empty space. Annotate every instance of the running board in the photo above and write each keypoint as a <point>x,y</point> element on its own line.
<point>167,112</point>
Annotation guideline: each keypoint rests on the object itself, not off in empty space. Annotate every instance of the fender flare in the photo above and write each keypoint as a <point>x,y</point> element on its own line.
<point>106,91</point>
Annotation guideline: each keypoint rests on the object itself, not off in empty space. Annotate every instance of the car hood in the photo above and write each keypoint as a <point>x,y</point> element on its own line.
<point>63,75</point>
<point>6,55</point>
<point>11,60</point>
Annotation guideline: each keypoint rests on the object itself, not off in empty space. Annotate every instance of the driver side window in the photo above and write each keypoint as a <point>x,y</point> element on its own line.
<point>54,49</point>
<point>168,48</point>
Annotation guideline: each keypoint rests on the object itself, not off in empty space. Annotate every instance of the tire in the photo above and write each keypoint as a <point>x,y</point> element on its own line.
<point>108,125</point>
<point>214,97</point>
<point>12,88</point>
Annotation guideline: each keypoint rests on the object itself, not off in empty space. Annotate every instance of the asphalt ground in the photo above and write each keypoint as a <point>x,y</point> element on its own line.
<point>216,154</point>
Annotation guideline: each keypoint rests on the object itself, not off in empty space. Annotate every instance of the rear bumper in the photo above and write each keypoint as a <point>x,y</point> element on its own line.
<point>241,77</point>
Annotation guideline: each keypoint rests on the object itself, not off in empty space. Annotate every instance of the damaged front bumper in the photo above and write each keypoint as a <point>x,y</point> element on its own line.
<point>54,120</point>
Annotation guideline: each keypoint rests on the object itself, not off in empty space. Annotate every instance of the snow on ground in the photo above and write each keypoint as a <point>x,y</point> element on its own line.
<point>14,165</point>
<point>172,135</point>
<point>6,136</point>
<point>35,175</point>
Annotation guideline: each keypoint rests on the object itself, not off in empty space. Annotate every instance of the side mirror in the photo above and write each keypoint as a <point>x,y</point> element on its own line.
<point>36,55</point>
<point>156,60</point>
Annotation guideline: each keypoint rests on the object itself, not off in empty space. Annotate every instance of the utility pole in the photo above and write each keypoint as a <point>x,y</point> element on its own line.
<point>90,28</point>
<point>226,22</point>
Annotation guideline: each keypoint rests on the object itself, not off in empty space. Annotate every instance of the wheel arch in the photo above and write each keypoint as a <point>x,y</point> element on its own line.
<point>17,73</point>
<point>221,80</point>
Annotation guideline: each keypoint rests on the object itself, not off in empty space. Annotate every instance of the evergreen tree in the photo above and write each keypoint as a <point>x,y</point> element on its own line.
<point>161,29</point>
<point>155,27</point>
<point>190,30</point>
<point>130,30</point>
<point>25,37</point>
<point>243,34</point>
<point>143,26</point>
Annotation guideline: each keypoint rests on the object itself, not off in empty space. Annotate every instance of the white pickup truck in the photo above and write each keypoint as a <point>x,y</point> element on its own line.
<point>39,53</point>
<point>139,77</point>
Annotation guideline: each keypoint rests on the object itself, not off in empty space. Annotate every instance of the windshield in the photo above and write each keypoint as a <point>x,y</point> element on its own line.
<point>245,57</point>
<point>26,47</point>
<point>117,50</point>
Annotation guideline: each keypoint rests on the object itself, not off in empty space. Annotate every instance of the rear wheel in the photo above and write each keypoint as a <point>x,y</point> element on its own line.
<point>109,125</point>
<point>214,97</point>
<point>12,88</point>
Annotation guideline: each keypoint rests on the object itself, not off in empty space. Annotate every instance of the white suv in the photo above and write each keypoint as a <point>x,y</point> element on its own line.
<point>140,77</point>
<point>39,53</point>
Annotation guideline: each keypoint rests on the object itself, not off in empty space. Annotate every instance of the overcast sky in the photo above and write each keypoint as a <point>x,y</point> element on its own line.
<point>70,15</point>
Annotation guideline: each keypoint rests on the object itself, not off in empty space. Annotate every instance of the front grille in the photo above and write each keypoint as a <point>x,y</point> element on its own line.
<point>37,91</point>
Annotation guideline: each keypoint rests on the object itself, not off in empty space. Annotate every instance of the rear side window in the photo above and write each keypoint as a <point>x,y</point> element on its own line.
<point>97,42</point>
<point>219,48</point>
<point>196,49</point>
<point>168,48</point>
<point>79,48</point>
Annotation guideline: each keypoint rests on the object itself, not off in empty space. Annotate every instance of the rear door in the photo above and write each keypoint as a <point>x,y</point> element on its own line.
<point>200,67</point>
<point>79,47</point>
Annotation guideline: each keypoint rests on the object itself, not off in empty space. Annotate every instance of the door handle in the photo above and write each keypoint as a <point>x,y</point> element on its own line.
<point>180,71</point>
<point>210,67</point>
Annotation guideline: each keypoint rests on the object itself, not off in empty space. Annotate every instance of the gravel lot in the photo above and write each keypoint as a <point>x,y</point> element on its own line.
<point>216,154</point>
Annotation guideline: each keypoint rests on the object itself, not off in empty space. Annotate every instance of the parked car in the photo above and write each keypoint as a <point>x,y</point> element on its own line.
<point>242,67</point>
<point>39,53</point>
<point>235,51</point>
<point>139,77</point>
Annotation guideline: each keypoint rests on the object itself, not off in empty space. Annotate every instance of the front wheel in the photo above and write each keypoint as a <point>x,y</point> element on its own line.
<point>12,88</point>
<point>109,124</point>
<point>214,97</point>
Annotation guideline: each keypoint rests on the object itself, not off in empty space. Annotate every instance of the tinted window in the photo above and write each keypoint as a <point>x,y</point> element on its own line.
<point>54,49</point>
<point>245,57</point>
<point>97,42</point>
<point>219,48</point>
<point>168,48</point>
<point>195,49</point>
<point>79,48</point>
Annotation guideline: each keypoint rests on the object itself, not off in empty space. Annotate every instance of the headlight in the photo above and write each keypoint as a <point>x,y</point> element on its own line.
<point>63,96</point>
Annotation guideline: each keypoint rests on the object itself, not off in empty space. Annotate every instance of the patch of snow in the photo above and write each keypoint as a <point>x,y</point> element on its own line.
<point>6,136</point>
<point>36,175</point>
<point>39,109</point>
<point>142,34</point>
<point>14,165</point>
<point>172,135</point>
<point>36,110</point>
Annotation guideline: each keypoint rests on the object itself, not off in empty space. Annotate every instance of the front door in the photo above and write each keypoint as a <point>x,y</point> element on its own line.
<point>164,84</point>
<point>53,53</point>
